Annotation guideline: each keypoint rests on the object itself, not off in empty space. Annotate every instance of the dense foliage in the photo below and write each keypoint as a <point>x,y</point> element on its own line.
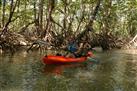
<point>61,18</point>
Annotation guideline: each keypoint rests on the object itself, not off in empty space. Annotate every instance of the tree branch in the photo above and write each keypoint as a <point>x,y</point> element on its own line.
<point>90,24</point>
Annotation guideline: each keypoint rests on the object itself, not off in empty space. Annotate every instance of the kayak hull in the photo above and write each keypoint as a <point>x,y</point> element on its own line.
<point>50,59</point>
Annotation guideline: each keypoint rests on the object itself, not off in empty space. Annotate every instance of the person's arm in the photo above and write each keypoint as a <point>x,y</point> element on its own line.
<point>80,48</point>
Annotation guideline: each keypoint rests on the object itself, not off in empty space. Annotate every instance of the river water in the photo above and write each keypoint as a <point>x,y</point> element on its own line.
<point>116,71</point>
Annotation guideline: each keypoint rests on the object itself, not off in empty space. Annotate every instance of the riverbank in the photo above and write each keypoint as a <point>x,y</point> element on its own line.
<point>13,42</point>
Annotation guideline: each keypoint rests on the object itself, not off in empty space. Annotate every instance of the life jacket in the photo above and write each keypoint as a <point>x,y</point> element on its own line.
<point>72,47</point>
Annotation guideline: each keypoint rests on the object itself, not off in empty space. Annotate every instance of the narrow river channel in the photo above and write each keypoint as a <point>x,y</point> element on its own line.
<point>116,71</point>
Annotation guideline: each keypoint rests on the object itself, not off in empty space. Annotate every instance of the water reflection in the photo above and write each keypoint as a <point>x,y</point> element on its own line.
<point>61,68</point>
<point>117,71</point>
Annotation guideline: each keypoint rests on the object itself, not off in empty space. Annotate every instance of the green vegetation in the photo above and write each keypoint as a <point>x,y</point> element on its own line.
<point>105,23</point>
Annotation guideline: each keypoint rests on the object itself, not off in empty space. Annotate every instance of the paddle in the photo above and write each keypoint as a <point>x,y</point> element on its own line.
<point>93,60</point>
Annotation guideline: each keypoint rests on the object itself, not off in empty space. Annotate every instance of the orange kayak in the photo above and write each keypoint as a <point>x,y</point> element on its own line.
<point>50,59</point>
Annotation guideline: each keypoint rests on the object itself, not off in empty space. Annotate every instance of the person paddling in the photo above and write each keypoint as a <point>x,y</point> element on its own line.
<point>74,49</point>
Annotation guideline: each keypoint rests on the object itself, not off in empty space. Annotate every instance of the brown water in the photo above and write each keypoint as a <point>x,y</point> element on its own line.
<point>117,71</point>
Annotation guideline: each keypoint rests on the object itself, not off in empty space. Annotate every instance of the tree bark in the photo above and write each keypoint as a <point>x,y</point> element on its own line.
<point>12,9</point>
<point>3,13</point>
<point>89,26</point>
<point>41,15</point>
<point>64,20</point>
<point>51,5</point>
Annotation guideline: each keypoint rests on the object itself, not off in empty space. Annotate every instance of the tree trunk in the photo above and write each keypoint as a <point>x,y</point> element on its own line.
<point>34,10</point>
<point>12,9</point>
<point>64,20</point>
<point>3,13</point>
<point>90,24</point>
<point>105,43</point>
<point>36,18</point>
<point>106,28</point>
<point>51,5</point>
<point>41,15</point>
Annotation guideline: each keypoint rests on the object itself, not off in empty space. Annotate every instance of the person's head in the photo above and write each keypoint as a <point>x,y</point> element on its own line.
<point>71,38</point>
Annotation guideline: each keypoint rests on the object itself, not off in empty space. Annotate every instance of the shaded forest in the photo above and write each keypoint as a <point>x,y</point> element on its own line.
<point>50,23</point>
